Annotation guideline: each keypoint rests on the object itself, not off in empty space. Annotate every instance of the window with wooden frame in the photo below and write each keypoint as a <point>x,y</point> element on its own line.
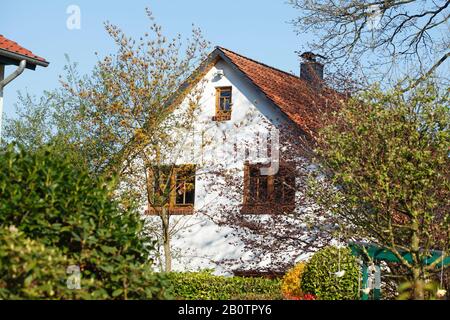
<point>224,103</point>
<point>172,187</point>
<point>268,194</point>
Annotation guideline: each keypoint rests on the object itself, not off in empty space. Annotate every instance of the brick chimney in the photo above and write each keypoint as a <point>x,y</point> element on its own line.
<point>310,69</point>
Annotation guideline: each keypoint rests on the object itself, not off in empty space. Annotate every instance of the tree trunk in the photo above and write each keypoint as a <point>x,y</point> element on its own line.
<point>418,285</point>
<point>166,240</point>
<point>167,254</point>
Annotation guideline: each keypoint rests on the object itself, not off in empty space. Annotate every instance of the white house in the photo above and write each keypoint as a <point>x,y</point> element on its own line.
<point>247,113</point>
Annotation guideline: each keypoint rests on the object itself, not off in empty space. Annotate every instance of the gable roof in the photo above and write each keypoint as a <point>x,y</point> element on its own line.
<point>12,53</point>
<point>301,101</point>
<point>295,97</point>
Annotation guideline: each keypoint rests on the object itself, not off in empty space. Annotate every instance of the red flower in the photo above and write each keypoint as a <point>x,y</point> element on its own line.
<point>309,296</point>
<point>289,297</point>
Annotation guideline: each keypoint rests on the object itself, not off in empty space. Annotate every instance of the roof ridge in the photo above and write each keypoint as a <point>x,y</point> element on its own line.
<point>260,63</point>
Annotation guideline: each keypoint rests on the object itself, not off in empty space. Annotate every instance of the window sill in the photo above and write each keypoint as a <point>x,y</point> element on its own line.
<point>176,211</point>
<point>267,208</point>
<point>222,117</point>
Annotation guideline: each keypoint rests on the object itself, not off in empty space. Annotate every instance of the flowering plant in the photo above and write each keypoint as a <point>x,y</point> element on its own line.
<point>306,296</point>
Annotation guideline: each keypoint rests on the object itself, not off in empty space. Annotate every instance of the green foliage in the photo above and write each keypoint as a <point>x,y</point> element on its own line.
<point>386,159</point>
<point>29,269</point>
<point>319,277</point>
<point>388,147</point>
<point>51,119</point>
<point>431,290</point>
<point>205,286</point>
<point>52,200</point>
<point>115,119</point>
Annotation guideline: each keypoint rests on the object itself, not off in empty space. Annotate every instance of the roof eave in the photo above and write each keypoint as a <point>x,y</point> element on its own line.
<point>15,58</point>
<point>193,79</point>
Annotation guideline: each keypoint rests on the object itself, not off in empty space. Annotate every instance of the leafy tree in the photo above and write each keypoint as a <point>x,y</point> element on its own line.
<point>50,119</point>
<point>412,34</point>
<point>126,109</point>
<point>124,104</point>
<point>49,198</point>
<point>39,121</point>
<point>385,173</point>
<point>119,119</point>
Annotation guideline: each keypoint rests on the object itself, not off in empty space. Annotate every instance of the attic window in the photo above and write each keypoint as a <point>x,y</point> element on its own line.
<point>223,104</point>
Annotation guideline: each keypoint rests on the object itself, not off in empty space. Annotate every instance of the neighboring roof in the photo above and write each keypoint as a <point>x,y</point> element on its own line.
<point>13,53</point>
<point>295,97</point>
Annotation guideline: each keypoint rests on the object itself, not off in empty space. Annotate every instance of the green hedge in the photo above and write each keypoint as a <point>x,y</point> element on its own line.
<point>205,286</point>
<point>319,276</point>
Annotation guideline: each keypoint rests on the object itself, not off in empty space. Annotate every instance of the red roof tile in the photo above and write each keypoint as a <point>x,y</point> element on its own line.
<point>11,46</point>
<point>294,96</point>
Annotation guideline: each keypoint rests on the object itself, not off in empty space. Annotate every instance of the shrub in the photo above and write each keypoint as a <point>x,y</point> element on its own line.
<point>29,269</point>
<point>205,286</point>
<point>319,276</point>
<point>52,199</point>
<point>291,283</point>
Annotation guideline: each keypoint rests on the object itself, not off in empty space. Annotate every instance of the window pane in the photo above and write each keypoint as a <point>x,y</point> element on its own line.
<point>190,195</point>
<point>289,190</point>
<point>284,188</point>
<point>161,183</point>
<point>253,189</point>
<point>185,186</point>
<point>225,99</point>
<point>225,94</point>
<point>254,171</point>
<point>262,189</point>
<point>225,104</point>
<point>278,190</point>
<point>258,186</point>
<point>180,192</point>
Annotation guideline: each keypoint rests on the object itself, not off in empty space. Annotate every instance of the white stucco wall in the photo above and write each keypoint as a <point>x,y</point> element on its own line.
<point>212,146</point>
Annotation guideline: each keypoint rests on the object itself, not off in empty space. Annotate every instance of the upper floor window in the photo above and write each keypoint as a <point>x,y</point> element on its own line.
<point>223,103</point>
<point>268,193</point>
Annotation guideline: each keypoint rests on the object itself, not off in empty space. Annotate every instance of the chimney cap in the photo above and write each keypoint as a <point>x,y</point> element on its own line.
<point>311,56</point>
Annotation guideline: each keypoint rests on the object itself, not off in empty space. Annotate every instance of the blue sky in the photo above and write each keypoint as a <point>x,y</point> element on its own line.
<point>256,28</point>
